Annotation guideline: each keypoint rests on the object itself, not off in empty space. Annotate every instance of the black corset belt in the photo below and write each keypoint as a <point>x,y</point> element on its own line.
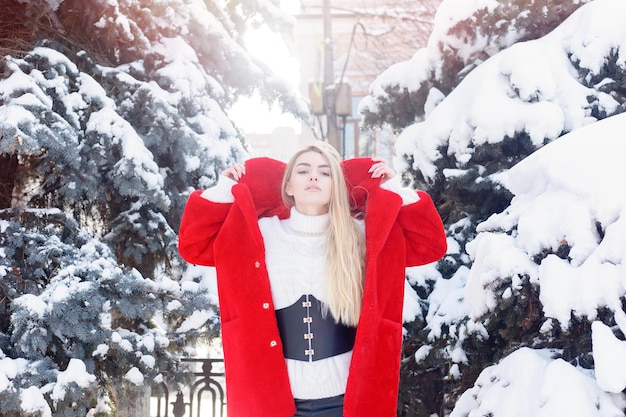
<point>308,336</point>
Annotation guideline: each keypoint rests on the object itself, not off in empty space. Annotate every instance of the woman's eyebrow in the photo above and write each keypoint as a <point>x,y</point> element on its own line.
<point>309,165</point>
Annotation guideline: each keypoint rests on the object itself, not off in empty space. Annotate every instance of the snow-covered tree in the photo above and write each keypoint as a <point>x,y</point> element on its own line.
<point>487,297</point>
<point>111,113</point>
<point>548,282</point>
<point>465,35</point>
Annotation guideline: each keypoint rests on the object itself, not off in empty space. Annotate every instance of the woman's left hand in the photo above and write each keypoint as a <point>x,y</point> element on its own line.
<point>379,169</point>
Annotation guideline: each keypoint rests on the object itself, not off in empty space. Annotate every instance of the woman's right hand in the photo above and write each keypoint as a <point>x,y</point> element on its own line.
<point>235,172</point>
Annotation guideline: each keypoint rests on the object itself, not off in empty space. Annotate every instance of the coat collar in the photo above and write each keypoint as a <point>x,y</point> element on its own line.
<point>258,194</point>
<point>381,211</point>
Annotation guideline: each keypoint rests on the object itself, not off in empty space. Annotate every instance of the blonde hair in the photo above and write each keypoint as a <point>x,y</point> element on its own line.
<point>345,248</point>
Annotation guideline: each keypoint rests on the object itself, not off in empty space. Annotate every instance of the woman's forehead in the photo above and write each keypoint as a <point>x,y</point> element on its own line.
<point>311,158</point>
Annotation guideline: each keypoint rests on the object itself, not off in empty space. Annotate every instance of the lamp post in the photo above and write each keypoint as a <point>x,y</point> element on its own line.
<point>329,82</point>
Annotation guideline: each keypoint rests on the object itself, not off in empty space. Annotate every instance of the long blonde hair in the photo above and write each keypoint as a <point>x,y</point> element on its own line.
<point>345,248</point>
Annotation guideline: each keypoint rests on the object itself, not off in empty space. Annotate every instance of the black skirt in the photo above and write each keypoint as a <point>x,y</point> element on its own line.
<point>324,407</point>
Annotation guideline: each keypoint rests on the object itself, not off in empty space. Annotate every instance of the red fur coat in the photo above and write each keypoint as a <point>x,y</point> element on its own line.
<point>227,236</point>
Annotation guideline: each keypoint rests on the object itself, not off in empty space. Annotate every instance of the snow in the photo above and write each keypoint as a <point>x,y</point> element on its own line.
<point>550,387</point>
<point>609,355</point>
<point>410,308</point>
<point>485,270</point>
<point>10,369</point>
<point>148,360</point>
<point>195,321</point>
<point>181,59</point>
<point>101,350</point>
<point>33,401</point>
<point>33,303</point>
<point>138,161</point>
<point>123,343</point>
<point>147,341</point>
<point>422,352</point>
<point>452,12</point>
<point>76,373</point>
<point>135,376</point>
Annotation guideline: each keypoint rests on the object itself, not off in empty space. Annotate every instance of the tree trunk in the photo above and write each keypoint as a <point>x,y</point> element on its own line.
<point>8,168</point>
<point>132,401</point>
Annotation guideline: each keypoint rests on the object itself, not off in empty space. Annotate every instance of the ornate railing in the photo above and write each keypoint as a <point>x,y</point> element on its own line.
<point>205,388</point>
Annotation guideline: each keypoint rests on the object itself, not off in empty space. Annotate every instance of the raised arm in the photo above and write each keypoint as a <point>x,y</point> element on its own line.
<point>423,231</point>
<point>199,226</point>
<point>418,216</point>
<point>204,215</point>
<point>258,179</point>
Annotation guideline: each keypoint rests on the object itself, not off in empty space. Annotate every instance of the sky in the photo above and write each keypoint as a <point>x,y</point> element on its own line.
<point>251,114</point>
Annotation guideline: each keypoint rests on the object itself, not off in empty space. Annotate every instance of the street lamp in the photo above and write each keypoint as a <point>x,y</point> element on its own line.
<point>331,99</point>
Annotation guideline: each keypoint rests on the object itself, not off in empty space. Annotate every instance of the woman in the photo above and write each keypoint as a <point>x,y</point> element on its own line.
<point>310,298</point>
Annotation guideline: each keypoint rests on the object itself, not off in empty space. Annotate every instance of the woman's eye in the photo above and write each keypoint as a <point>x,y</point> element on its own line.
<point>326,174</point>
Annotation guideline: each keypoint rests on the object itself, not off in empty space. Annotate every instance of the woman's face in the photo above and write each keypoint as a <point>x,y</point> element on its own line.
<point>310,184</point>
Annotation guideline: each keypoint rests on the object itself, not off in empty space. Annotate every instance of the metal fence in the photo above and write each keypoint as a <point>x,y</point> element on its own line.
<point>204,390</point>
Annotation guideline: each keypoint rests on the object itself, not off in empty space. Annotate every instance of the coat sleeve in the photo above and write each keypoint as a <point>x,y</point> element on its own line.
<point>420,221</point>
<point>201,221</point>
<point>423,231</point>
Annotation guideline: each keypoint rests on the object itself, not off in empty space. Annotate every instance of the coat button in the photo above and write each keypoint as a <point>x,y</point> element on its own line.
<point>266,306</point>
<point>273,343</point>
<point>257,264</point>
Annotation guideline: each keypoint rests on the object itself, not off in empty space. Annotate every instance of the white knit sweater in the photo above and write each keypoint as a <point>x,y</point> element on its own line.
<point>294,255</point>
<point>295,261</point>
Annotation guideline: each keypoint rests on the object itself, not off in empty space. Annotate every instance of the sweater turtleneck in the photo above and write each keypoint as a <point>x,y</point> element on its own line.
<point>295,255</point>
<point>306,224</point>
